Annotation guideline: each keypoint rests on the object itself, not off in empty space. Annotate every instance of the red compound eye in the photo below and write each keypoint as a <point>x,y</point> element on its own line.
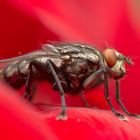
<point>110,57</point>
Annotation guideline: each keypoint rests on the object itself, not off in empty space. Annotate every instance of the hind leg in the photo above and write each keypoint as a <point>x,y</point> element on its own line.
<point>49,69</point>
<point>30,85</point>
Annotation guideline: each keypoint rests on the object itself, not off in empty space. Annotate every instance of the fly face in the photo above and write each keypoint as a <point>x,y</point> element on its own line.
<point>115,63</point>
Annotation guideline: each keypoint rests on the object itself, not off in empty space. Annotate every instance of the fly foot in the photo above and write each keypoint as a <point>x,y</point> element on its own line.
<point>61,117</point>
<point>122,117</point>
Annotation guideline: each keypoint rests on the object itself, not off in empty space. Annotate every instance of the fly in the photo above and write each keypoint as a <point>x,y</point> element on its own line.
<point>71,68</point>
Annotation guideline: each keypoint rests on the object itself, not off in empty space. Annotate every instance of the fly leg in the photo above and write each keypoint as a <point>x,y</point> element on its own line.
<point>119,115</point>
<point>120,102</point>
<point>62,115</point>
<point>47,68</point>
<point>28,83</point>
<point>91,80</point>
<point>84,99</point>
<point>88,83</point>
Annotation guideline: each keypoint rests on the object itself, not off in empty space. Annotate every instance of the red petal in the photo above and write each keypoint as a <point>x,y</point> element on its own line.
<point>18,121</point>
<point>88,124</point>
<point>32,22</point>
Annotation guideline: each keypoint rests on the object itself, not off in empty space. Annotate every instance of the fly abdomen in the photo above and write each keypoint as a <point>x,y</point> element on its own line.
<point>15,74</point>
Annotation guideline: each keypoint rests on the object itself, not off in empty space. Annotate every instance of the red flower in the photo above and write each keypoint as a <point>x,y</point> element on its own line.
<point>27,24</point>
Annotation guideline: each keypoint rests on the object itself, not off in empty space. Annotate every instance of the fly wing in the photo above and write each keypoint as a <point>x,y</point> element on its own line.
<point>28,56</point>
<point>74,50</point>
<point>66,48</point>
<point>58,49</point>
<point>50,49</point>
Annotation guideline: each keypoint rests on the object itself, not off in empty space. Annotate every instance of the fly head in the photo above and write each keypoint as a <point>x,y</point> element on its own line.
<point>115,63</point>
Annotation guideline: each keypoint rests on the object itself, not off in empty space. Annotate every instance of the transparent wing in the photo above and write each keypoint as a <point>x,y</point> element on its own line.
<point>30,55</point>
<point>50,49</point>
<point>75,50</point>
<point>72,47</point>
<point>62,47</point>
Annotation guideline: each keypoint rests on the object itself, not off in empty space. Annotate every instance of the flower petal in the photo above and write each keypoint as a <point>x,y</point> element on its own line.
<point>84,123</point>
<point>18,120</point>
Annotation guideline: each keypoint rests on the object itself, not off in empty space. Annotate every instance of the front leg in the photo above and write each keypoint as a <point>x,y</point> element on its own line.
<point>120,102</point>
<point>91,80</point>
<point>119,115</point>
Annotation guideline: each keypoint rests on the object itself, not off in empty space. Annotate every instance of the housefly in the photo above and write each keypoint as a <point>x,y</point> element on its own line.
<point>71,68</point>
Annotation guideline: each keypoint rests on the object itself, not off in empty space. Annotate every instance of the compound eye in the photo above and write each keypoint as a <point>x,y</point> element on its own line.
<point>110,57</point>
